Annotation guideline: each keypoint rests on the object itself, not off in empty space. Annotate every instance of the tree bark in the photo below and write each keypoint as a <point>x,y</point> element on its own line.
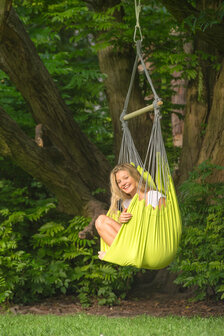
<point>72,168</point>
<point>46,164</point>
<point>203,137</point>
<point>213,141</point>
<point>118,68</point>
<point>5,6</point>
<point>117,63</point>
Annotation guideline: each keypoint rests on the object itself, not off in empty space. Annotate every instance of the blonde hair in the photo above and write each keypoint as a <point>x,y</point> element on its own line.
<point>116,193</point>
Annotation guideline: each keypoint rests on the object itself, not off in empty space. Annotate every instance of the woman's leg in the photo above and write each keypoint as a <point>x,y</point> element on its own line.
<point>107,228</point>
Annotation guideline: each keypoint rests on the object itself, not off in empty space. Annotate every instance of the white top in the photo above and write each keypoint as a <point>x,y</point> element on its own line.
<point>152,197</point>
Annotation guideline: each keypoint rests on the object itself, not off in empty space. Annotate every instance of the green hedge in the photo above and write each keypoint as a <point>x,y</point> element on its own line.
<point>41,254</point>
<point>200,256</point>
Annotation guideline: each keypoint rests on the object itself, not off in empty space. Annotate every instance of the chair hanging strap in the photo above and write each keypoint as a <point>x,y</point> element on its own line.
<point>128,151</point>
<point>156,159</point>
<point>155,168</point>
<point>127,99</point>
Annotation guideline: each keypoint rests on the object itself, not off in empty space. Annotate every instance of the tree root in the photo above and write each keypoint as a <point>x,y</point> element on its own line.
<point>92,209</point>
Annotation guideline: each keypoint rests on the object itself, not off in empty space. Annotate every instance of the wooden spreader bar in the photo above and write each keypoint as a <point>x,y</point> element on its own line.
<point>141,111</point>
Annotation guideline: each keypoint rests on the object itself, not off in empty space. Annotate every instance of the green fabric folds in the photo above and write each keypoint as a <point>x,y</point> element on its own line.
<point>150,239</point>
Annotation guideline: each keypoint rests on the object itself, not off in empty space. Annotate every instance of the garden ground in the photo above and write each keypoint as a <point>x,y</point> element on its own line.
<point>153,298</point>
<point>157,305</point>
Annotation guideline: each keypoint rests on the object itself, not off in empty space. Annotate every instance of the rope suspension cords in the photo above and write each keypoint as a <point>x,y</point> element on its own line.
<point>151,238</point>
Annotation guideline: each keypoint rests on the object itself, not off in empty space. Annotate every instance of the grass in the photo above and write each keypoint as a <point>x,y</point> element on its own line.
<point>88,325</point>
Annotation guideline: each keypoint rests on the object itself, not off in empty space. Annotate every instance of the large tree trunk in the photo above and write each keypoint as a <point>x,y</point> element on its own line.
<point>204,125</point>
<point>203,137</point>
<point>213,142</point>
<point>5,6</point>
<point>117,63</point>
<point>118,67</point>
<point>72,167</point>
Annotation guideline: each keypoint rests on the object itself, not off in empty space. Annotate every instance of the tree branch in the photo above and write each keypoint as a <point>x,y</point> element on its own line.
<point>45,164</point>
<point>19,59</point>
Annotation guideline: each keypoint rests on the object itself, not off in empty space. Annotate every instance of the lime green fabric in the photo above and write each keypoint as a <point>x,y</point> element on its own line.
<point>150,239</point>
<point>162,173</point>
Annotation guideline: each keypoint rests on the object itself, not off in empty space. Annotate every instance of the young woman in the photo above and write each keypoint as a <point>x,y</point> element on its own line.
<point>124,180</point>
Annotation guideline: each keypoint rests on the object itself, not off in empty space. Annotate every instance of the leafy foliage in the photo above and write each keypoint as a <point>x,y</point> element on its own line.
<point>68,35</point>
<point>205,18</point>
<point>66,51</point>
<point>69,43</point>
<point>41,254</point>
<point>200,257</point>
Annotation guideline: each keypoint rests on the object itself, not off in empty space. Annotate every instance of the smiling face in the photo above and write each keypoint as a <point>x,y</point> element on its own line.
<point>126,182</point>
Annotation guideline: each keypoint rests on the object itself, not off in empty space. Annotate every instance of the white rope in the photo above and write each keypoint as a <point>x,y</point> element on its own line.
<point>156,163</point>
<point>137,25</point>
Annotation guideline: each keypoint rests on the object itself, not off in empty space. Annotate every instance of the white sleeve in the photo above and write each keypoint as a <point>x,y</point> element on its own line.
<point>154,197</point>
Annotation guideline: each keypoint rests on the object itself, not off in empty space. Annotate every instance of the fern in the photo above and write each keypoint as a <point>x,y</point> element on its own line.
<point>51,259</point>
<point>200,256</point>
<point>4,292</point>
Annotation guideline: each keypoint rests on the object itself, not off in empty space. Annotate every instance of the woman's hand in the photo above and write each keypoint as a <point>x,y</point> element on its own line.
<point>124,217</point>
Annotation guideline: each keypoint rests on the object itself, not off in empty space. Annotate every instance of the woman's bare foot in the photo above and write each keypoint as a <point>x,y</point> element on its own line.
<point>101,254</point>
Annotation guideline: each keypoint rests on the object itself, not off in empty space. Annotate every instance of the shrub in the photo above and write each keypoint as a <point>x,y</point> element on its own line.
<point>42,256</point>
<point>199,259</point>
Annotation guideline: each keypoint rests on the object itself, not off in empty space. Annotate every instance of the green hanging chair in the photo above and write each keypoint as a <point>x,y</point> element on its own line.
<point>151,238</point>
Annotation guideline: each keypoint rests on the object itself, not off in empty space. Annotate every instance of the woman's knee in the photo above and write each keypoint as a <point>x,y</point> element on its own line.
<point>100,221</point>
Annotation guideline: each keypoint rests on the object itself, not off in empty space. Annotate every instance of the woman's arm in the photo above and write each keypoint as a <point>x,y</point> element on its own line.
<point>162,201</point>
